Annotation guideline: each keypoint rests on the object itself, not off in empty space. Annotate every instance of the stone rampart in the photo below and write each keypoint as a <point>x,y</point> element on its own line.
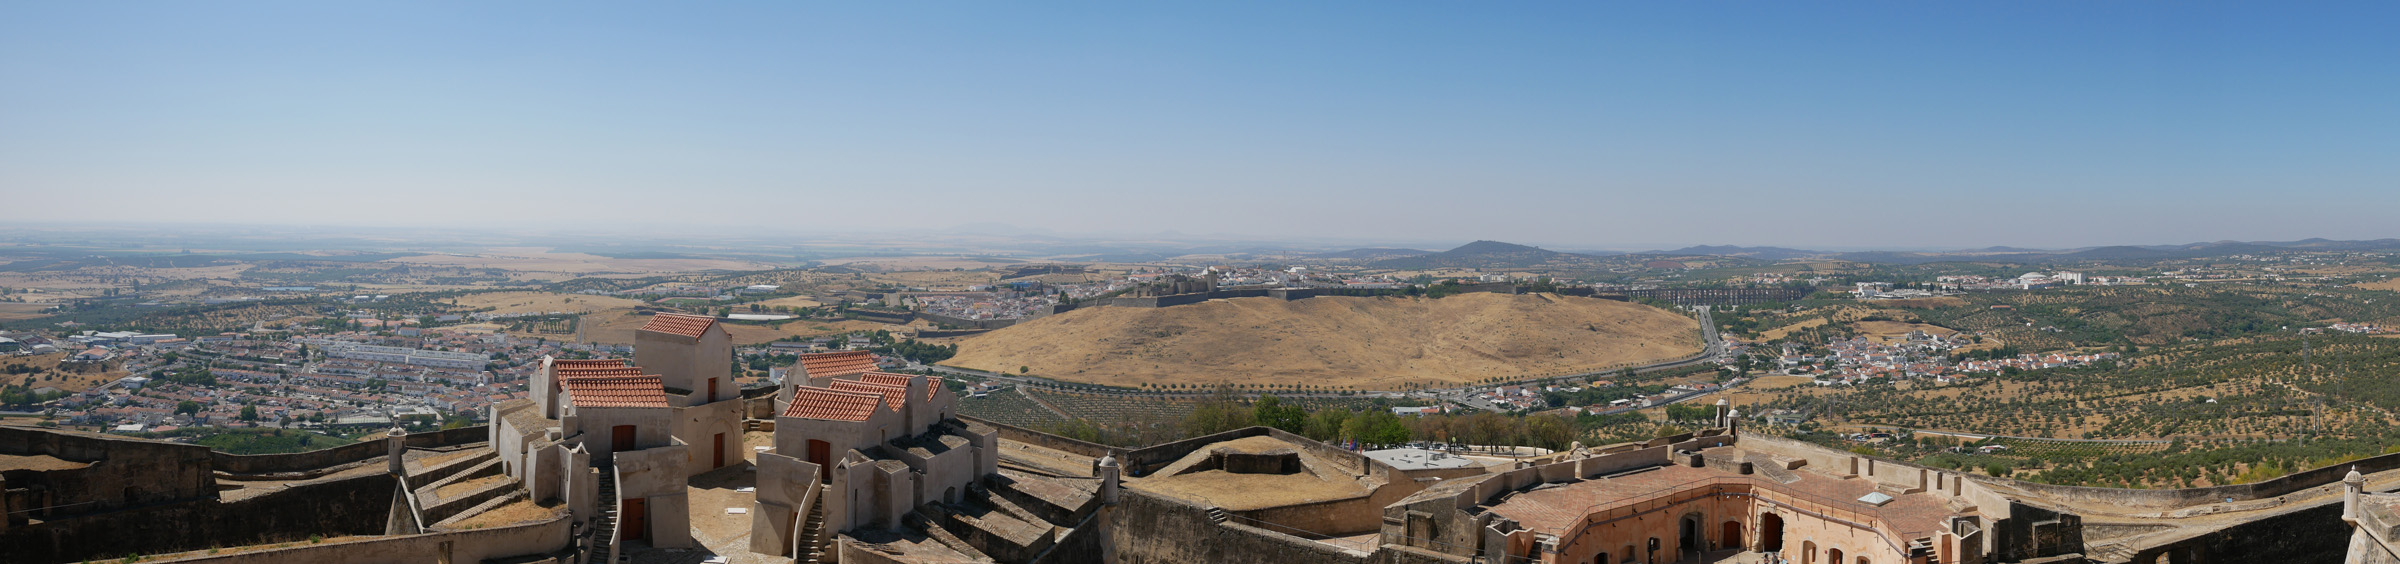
<point>118,473</point>
<point>477,545</point>
<point>345,454</point>
<point>1049,441</point>
<point>331,508</point>
<point>965,323</point>
<point>2179,498</point>
<point>1154,529</point>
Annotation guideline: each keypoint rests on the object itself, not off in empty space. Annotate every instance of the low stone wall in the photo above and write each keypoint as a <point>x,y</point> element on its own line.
<point>1144,461</point>
<point>350,506</point>
<point>477,545</point>
<point>964,322</point>
<point>120,473</point>
<point>1152,529</point>
<point>345,454</point>
<point>1049,441</point>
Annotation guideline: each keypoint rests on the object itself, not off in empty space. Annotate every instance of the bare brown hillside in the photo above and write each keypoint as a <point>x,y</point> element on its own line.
<point>1336,342</point>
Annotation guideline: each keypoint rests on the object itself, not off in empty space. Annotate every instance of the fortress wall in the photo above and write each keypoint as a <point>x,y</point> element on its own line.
<point>2306,535</point>
<point>1354,463</point>
<point>1053,442</point>
<point>121,472</point>
<point>345,454</point>
<point>350,506</point>
<point>475,545</point>
<point>2178,498</point>
<point>1153,529</point>
<point>1620,461</point>
<point>964,322</point>
<point>1144,461</point>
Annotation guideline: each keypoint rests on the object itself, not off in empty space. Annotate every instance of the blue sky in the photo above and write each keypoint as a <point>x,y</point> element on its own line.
<point>1587,125</point>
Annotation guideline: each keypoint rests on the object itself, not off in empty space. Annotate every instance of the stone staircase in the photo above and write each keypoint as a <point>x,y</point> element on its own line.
<point>604,528</point>
<point>812,534</point>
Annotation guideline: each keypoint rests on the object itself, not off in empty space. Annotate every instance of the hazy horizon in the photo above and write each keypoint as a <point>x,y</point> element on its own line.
<point>1872,125</point>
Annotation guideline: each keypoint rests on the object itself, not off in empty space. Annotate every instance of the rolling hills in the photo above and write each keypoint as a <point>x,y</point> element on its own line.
<point>1335,342</point>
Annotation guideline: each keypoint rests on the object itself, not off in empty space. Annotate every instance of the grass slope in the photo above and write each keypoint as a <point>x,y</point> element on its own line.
<point>1336,342</point>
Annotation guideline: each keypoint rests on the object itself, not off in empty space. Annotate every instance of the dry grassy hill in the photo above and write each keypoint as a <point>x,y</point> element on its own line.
<point>1373,343</point>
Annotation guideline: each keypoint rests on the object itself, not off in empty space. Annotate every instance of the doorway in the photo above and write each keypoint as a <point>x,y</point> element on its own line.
<point>1731,536</point>
<point>1687,536</point>
<point>820,453</point>
<point>1770,533</point>
<point>720,451</point>
<point>636,519</point>
<point>621,439</point>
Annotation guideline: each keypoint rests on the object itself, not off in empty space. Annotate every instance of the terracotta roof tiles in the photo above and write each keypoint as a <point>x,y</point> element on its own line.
<point>834,364</point>
<point>617,391</point>
<point>679,324</point>
<point>897,396</point>
<point>811,402</point>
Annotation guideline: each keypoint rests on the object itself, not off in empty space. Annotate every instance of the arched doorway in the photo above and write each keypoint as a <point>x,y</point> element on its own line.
<point>1770,533</point>
<point>1808,552</point>
<point>1731,535</point>
<point>1833,556</point>
<point>1687,536</point>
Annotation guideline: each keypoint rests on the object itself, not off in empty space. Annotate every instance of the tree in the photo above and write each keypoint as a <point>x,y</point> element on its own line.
<point>1222,411</point>
<point>1272,412</point>
<point>187,407</point>
<point>249,413</point>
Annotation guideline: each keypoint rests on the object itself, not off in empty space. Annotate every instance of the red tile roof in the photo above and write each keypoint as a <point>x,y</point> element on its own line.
<point>832,364</point>
<point>679,324</point>
<point>933,384</point>
<point>588,363</point>
<point>617,391</point>
<point>897,396</point>
<point>562,375</point>
<point>811,402</point>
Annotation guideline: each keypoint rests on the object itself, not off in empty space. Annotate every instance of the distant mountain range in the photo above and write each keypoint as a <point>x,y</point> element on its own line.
<point>1495,254</point>
<point>1486,254</point>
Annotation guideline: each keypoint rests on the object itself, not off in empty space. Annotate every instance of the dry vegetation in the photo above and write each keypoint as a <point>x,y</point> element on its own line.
<point>519,511</point>
<point>46,373</point>
<point>543,260</point>
<point>616,328</point>
<point>1336,341</point>
<point>2392,284</point>
<point>543,302</point>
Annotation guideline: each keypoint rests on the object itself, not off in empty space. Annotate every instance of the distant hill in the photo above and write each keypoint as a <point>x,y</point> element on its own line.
<point>1486,254</point>
<point>1761,253</point>
<point>1335,341</point>
<point>2126,253</point>
<point>1371,254</point>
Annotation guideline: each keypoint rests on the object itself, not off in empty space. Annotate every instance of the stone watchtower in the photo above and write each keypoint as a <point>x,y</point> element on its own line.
<point>2352,485</point>
<point>395,444</point>
<point>1107,470</point>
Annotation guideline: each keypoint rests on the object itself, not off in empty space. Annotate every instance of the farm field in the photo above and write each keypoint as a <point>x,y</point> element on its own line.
<point>46,374</point>
<point>1336,342</point>
<point>616,327</point>
<point>546,260</point>
<point>543,302</point>
<point>15,311</point>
